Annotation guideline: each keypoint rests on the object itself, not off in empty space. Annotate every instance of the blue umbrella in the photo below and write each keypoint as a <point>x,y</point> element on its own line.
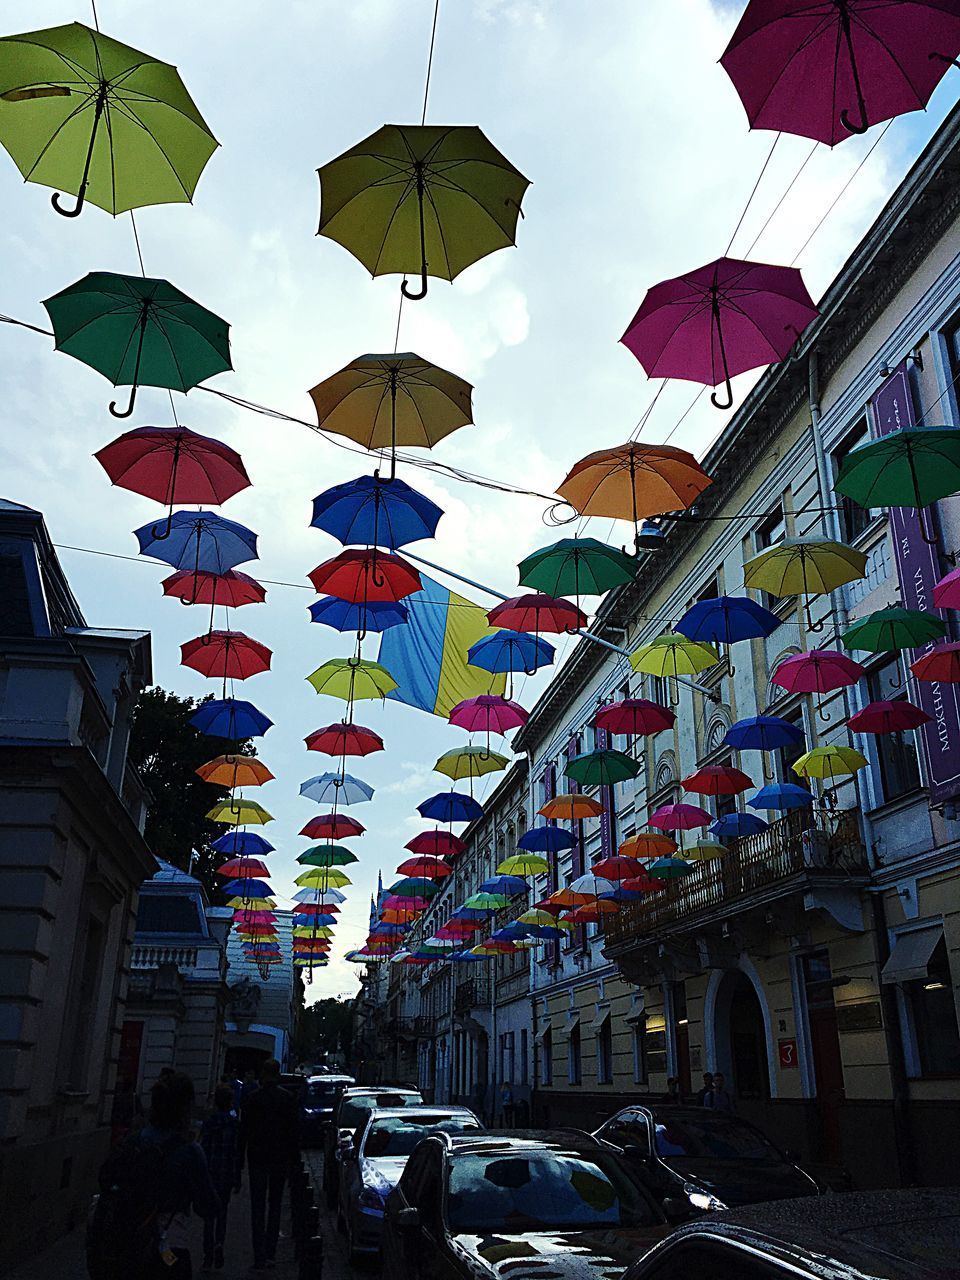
<point>727,619</point>
<point>334,788</point>
<point>314,920</point>
<point>509,886</point>
<point>763,733</point>
<point>242,844</point>
<point>450,806</point>
<point>623,895</point>
<point>247,889</point>
<point>546,840</point>
<point>510,933</point>
<point>733,825</point>
<point>200,541</point>
<point>470,913</point>
<point>506,651</point>
<point>467,956</point>
<point>342,615</point>
<point>781,795</point>
<point>230,718</point>
<point>371,511</point>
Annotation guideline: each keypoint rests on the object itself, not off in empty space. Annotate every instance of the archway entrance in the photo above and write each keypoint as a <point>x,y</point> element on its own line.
<point>741,1038</point>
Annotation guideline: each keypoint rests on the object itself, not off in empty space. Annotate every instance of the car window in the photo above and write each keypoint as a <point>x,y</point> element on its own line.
<point>354,1110</point>
<point>711,1136</point>
<point>526,1190</point>
<point>696,1259</point>
<point>420,1183</point>
<point>397,1135</point>
<point>321,1092</point>
<point>628,1131</point>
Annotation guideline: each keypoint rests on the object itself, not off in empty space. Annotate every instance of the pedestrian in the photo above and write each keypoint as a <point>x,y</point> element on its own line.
<point>719,1099</point>
<point>220,1140</point>
<point>506,1104</point>
<point>248,1086</point>
<point>269,1136</point>
<point>673,1089</point>
<point>701,1094</point>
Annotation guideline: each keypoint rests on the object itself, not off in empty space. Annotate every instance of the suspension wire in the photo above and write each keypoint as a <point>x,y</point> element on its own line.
<point>96,20</point>
<point>136,238</point>
<point>776,208</point>
<point>843,190</point>
<point>756,185</point>
<point>433,40</point>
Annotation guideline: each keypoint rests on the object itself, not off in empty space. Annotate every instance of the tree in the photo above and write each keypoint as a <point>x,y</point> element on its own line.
<point>167,750</point>
<point>324,1028</point>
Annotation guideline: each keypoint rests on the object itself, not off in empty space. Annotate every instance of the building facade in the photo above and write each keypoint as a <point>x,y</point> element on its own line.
<point>261,1012</point>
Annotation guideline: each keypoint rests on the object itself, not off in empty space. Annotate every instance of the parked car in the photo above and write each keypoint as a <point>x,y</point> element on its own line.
<point>890,1235</point>
<point>350,1114</point>
<point>372,1167</point>
<point>551,1204</point>
<point>694,1160</point>
<point>318,1096</point>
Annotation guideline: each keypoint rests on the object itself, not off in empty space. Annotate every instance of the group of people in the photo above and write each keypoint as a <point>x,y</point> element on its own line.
<point>714,1094</point>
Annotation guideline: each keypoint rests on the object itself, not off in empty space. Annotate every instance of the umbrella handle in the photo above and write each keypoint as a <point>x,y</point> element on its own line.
<point>931,541</point>
<point>862,124</point>
<point>823,715</point>
<point>124,413</point>
<point>159,537</point>
<point>85,176</point>
<point>404,288</point>
<point>727,402</point>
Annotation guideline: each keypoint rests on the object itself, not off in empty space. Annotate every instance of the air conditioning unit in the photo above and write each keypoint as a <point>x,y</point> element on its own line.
<point>816,848</point>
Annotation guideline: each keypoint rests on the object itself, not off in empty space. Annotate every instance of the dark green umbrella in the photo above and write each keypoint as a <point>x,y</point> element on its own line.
<point>138,332</point>
<point>425,199</point>
<point>92,116</point>
<point>912,467</point>
<point>602,768</point>
<point>577,566</point>
<point>893,629</point>
<point>327,855</point>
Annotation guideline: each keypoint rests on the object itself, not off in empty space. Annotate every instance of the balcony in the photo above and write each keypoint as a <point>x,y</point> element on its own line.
<point>423,1025</point>
<point>152,957</point>
<point>802,854</point>
<point>472,994</point>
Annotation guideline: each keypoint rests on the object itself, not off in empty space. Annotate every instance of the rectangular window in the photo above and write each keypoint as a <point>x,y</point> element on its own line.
<point>639,1024</point>
<point>605,1053</point>
<point>524,1057</point>
<point>933,1012</point>
<point>897,753</point>
<point>853,518</point>
<point>769,533</point>
<point>87,990</point>
<point>574,1060</point>
<point>546,1058</point>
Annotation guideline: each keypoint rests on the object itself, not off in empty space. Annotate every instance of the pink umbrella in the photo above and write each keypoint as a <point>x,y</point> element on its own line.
<point>720,320</point>
<point>946,594</point>
<point>393,903</point>
<point>634,715</point>
<point>827,68</point>
<point>888,717</point>
<point>537,612</point>
<point>488,713</point>
<point>680,817</point>
<point>817,671</point>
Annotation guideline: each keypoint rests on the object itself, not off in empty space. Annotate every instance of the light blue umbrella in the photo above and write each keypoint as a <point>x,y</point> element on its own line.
<point>198,541</point>
<point>335,788</point>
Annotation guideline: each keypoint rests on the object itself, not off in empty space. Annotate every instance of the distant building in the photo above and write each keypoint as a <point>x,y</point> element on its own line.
<point>72,856</point>
<point>262,1012</point>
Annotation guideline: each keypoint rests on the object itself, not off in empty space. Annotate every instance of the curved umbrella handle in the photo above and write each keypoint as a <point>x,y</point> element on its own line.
<point>85,176</point>
<point>404,288</point>
<point>728,389</point>
<point>862,125</point>
<point>77,208</point>
<point>726,403</point>
<point>124,413</point>
<point>415,297</point>
<point>159,537</point>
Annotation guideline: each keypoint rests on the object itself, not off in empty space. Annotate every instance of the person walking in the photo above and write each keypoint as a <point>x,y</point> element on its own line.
<point>719,1099</point>
<point>701,1094</point>
<point>506,1104</point>
<point>220,1140</point>
<point>269,1137</point>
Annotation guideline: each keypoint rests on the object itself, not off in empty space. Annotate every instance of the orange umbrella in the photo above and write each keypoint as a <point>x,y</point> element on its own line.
<point>235,771</point>
<point>591,912</point>
<point>647,844</point>
<point>633,481</point>
<point>571,808</point>
<point>567,898</point>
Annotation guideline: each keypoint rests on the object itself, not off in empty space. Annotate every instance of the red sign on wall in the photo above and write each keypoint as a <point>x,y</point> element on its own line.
<point>788,1053</point>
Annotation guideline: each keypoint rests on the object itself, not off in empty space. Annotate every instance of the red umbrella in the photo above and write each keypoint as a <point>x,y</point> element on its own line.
<point>488,713</point>
<point>459,928</point>
<point>332,826</point>
<point>232,588</point>
<point>720,320</point>
<point>174,465</point>
<point>634,715</point>
<point>424,865</point>
<point>317,909</point>
<point>888,717</point>
<point>643,883</point>
<point>537,613</point>
<point>238,867</point>
<point>230,654</point>
<point>717,780</point>
<point>680,817</point>
<point>366,575</point>
<point>617,868</point>
<point>941,663</point>
<point>555,908</point>
<point>344,740</point>
<point>818,671</point>
<point>442,844</point>
<point>826,70</point>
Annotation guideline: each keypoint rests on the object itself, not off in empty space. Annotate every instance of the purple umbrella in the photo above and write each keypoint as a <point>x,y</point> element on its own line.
<point>720,320</point>
<point>827,68</point>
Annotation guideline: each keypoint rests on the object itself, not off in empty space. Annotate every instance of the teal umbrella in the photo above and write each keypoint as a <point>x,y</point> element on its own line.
<point>577,567</point>
<point>893,629</point>
<point>602,768</point>
<point>138,332</point>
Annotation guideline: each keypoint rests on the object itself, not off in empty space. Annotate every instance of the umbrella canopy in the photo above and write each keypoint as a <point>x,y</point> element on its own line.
<point>571,808</point>
<point>242,844</point>
<point>616,868</point>
<point>680,817</point>
<point>946,594</point>
<point>817,671</point>
<point>510,651</point>
<point>524,864</point>
<point>804,567</point>
<point>352,679</point>
<point>469,762</point>
<point>577,567</point>
<point>486,901</point>
<point>439,844</point>
<point>366,575</point>
<point>601,768</point>
<point>734,825</point>
<point>240,813</point>
<point>229,654</point>
<point>323,878</point>
<point>327,855</point>
<point>717,780</point>
<point>232,588</point>
<point>647,844</point>
<point>367,616</point>
<point>332,826</point>
<point>425,866</point>
<point>893,629</point>
<point>705,851</point>
<point>421,199</point>
<point>829,762</point>
<point>138,332</point>
<point>888,717</point>
<point>825,71</point>
<point>642,884</point>
<point>634,716</point>
<point>336,788</point>
<point>414,887</point>
<point>488,713</point>
<point>86,114</point>
<point>371,511</point>
<point>763,733</point>
<point>722,319</point>
<point>198,540</point>
<point>230,718</point>
<point>343,739</point>
<point>670,868</point>
<point>318,898</point>
<point>726,619</point>
<point>781,795</point>
<point>246,889</point>
<point>450,806</point>
<point>505,882</point>
<point>591,912</point>
<point>673,655</point>
<point>546,840</point>
<point>235,771</point>
<point>941,663</point>
<point>237,868</point>
<point>174,465</point>
<point>537,613</point>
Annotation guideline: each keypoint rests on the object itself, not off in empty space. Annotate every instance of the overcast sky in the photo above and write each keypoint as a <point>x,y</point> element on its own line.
<point>641,163</point>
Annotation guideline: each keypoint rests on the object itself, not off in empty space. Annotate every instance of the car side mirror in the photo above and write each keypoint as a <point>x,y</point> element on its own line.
<point>407,1218</point>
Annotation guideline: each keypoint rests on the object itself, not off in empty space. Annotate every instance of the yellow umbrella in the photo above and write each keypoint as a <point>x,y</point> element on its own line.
<point>306,931</point>
<point>240,813</point>
<point>470,762</point>
<point>829,762</point>
<point>674,655</point>
<point>352,679</point>
<point>323,878</point>
<point>523,864</point>
<point>804,567</point>
<point>252,904</point>
<point>704,851</point>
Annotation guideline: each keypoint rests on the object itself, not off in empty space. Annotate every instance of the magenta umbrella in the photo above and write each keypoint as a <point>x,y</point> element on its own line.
<point>946,594</point>
<point>634,716</point>
<point>888,717</point>
<point>679,817</point>
<point>824,69</point>
<point>817,671</point>
<point>720,320</point>
<point>489,713</point>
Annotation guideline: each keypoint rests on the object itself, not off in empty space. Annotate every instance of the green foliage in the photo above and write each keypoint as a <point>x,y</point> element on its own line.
<point>324,1028</point>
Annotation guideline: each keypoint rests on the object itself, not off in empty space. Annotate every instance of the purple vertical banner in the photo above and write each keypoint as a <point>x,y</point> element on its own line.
<point>918,569</point>
<point>608,819</point>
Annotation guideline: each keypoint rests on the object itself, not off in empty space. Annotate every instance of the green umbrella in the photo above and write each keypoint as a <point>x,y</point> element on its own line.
<point>486,902</point>
<point>421,198</point>
<point>601,768</point>
<point>893,629</point>
<point>138,332</point>
<point>94,117</point>
<point>577,566</point>
<point>327,855</point>
<point>912,467</point>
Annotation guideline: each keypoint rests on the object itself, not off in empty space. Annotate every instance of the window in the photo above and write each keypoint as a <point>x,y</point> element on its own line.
<point>524,1057</point>
<point>546,1057</point>
<point>769,533</point>
<point>605,1052</point>
<point>87,991</point>
<point>853,518</point>
<point>506,1057</point>
<point>933,1012</point>
<point>574,1060</point>
<point>639,1024</point>
<point>896,752</point>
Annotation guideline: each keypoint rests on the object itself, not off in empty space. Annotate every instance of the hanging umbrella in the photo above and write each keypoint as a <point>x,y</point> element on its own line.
<point>470,762</point>
<point>382,401</point>
<point>727,619</point>
<point>247,889</point>
<point>601,768</point>
<point>229,654</point>
<point>505,882</point>
<point>571,808</point>
<point>565,898</point>
<point>643,884</point>
<point>941,663</point>
<point>946,594</point>
<point>829,762</point>
<point>705,851</point>
<point>680,817</point>
<point>524,864</point>
<point>369,616</point>
<point>888,717</point>
<point>540,924</point>
<point>817,671</point>
<point>366,575</point>
<point>352,679</point>
<point>323,878</point>
<point>763,733</point>
<point>893,629</point>
<point>332,826</point>
<point>804,567</point>
<point>511,651</point>
<point>240,813</point>
<point>414,887</point>
<point>826,70</point>
<point>241,844</point>
<point>732,826</point>
<point>577,567</point>
<point>647,844</point>
<point>370,511</point>
<point>488,713</point>
<point>258,904</point>
<point>673,655</point>
<point>633,481</point>
<point>717,780</point>
<point>237,868</point>
<point>344,739</point>
<point>428,868</point>
<point>911,467</point>
<point>326,855</point>
<point>537,613</point>
<point>427,199</point>
<point>233,588</point>
<point>592,912</point>
<point>486,901</point>
<point>230,718</point>
<point>198,541</point>
<point>439,844</point>
<point>235,771</point>
<point>670,868</point>
<point>781,795</point>
<point>616,868</point>
<point>138,332</point>
<point>634,716</point>
<point>546,840</point>
<point>82,112</point>
<point>450,806</point>
<point>336,788</point>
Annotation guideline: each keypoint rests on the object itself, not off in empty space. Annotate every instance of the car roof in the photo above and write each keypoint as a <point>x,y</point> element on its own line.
<point>373,1090</point>
<point>327,1078</point>
<point>405,1113</point>
<point>492,1141</point>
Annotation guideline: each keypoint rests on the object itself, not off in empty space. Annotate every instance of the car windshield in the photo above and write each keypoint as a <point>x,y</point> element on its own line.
<point>398,1135</point>
<point>320,1092</point>
<point>515,1191</point>
<point>709,1136</point>
<point>355,1109</point>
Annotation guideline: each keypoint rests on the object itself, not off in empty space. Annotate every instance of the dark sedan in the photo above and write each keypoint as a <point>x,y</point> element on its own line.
<point>889,1235</point>
<point>694,1160</point>
<point>517,1205</point>
<point>318,1097</point>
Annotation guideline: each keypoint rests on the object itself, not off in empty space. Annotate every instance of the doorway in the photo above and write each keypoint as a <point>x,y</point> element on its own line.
<point>825,1051</point>
<point>741,1038</point>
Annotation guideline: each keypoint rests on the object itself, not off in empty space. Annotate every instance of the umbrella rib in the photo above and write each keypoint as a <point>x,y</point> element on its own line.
<point>390,221</point>
<point>416,408</point>
<point>83,106</point>
<point>801,48</point>
<point>874,35</point>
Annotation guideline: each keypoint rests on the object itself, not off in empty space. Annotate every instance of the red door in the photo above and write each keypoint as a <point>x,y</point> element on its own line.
<point>828,1070</point>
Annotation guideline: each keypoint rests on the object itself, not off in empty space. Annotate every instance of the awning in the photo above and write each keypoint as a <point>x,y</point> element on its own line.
<point>603,1016</point>
<point>543,1031</point>
<point>564,1029</point>
<point>911,955</point>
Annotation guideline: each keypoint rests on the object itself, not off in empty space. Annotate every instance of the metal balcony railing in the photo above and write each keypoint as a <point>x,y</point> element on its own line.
<point>472,994</point>
<point>423,1025</point>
